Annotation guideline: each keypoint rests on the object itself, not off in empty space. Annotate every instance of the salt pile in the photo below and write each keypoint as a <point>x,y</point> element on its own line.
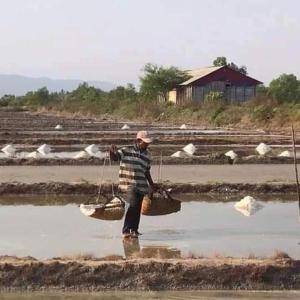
<point>81,154</point>
<point>100,154</point>
<point>183,126</point>
<point>263,149</point>
<point>9,150</point>
<point>180,154</point>
<point>58,127</point>
<point>248,206</point>
<point>34,154</point>
<point>286,153</point>
<point>92,149</point>
<point>231,154</point>
<point>125,127</point>
<point>44,149</point>
<point>189,149</point>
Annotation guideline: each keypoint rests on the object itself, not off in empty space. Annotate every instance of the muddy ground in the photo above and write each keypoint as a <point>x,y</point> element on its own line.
<point>60,188</point>
<point>218,159</point>
<point>29,274</point>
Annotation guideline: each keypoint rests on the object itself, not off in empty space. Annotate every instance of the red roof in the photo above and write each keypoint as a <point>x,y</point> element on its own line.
<point>205,75</point>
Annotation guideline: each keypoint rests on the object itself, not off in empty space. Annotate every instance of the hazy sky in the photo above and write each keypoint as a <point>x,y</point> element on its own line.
<point>111,40</point>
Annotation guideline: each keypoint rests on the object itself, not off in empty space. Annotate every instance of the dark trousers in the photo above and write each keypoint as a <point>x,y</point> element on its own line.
<point>132,218</point>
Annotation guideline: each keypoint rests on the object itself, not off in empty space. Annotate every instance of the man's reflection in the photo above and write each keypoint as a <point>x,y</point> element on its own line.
<point>132,249</point>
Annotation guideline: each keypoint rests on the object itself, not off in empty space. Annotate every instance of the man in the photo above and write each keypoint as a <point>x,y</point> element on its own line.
<point>134,179</point>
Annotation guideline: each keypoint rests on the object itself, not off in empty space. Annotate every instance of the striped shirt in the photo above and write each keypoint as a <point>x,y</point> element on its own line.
<point>134,163</point>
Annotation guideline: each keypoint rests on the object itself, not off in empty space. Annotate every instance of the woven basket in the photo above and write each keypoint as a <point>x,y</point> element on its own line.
<point>159,206</point>
<point>112,211</point>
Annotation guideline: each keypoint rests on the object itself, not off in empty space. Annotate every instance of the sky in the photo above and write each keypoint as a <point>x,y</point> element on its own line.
<point>112,40</point>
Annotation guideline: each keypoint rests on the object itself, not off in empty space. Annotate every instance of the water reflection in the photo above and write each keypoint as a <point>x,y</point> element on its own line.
<point>48,199</point>
<point>201,229</point>
<point>132,249</point>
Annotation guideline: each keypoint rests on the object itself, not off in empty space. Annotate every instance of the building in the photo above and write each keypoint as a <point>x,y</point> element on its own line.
<point>235,86</point>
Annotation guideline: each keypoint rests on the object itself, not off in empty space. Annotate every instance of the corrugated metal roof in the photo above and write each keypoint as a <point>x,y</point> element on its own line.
<point>199,73</point>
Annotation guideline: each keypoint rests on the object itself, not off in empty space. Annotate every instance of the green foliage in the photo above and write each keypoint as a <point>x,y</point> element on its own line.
<point>214,104</point>
<point>7,100</point>
<point>214,97</point>
<point>285,88</point>
<point>158,81</point>
<point>121,93</point>
<point>262,90</point>
<point>222,61</point>
<point>262,113</point>
<point>86,93</point>
<point>37,98</point>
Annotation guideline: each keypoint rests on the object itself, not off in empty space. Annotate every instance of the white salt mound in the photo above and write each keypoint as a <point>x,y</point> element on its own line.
<point>125,127</point>
<point>231,154</point>
<point>183,126</point>
<point>100,154</point>
<point>286,153</point>
<point>90,209</point>
<point>34,154</point>
<point>189,149</point>
<point>9,150</point>
<point>248,206</point>
<point>180,154</point>
<point>44,149</point>
<point>263,149</point>
<point>81,154</point>
<point>58,127</point>
<point>92,149</point>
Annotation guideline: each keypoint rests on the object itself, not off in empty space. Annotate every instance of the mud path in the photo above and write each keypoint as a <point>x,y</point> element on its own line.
<point>196,160</point>
<point>59,188</point>
<point>146,274</point>
<point>253,174</point>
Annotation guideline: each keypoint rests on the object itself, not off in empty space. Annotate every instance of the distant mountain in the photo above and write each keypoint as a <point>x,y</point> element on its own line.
<point>19,85</point>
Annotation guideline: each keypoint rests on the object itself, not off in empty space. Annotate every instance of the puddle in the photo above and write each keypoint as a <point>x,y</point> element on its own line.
<point>205,295</point>
<point>200,228</point>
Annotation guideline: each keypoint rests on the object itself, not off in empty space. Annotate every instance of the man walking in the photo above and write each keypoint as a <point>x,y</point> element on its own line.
<point>134,179</point>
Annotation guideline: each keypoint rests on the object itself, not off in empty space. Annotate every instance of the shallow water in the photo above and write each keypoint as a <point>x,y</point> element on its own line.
<point>200,228</point>
<point>205,295</point>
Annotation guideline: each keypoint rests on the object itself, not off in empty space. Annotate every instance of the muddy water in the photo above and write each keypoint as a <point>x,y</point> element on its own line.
<point>200,228</point>
<point>215,295</point>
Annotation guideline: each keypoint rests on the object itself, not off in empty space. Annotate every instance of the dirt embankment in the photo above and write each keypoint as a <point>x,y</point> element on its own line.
<point>220,159</point>
<point>148,274</point>
<point>60,188</point>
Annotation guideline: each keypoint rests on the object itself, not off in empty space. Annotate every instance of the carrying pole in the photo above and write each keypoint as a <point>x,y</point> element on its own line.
<point>101,180</point>
<point>295,166</point>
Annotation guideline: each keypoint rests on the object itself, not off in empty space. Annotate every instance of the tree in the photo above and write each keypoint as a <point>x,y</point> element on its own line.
<point>262,90</point>
<point>6,100</point>
<point>158,81</point>
<point>86,93</point>
<point>124,93</point>
<point>285,88</point>
<point>39,97</point>
<point>222,61</point>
